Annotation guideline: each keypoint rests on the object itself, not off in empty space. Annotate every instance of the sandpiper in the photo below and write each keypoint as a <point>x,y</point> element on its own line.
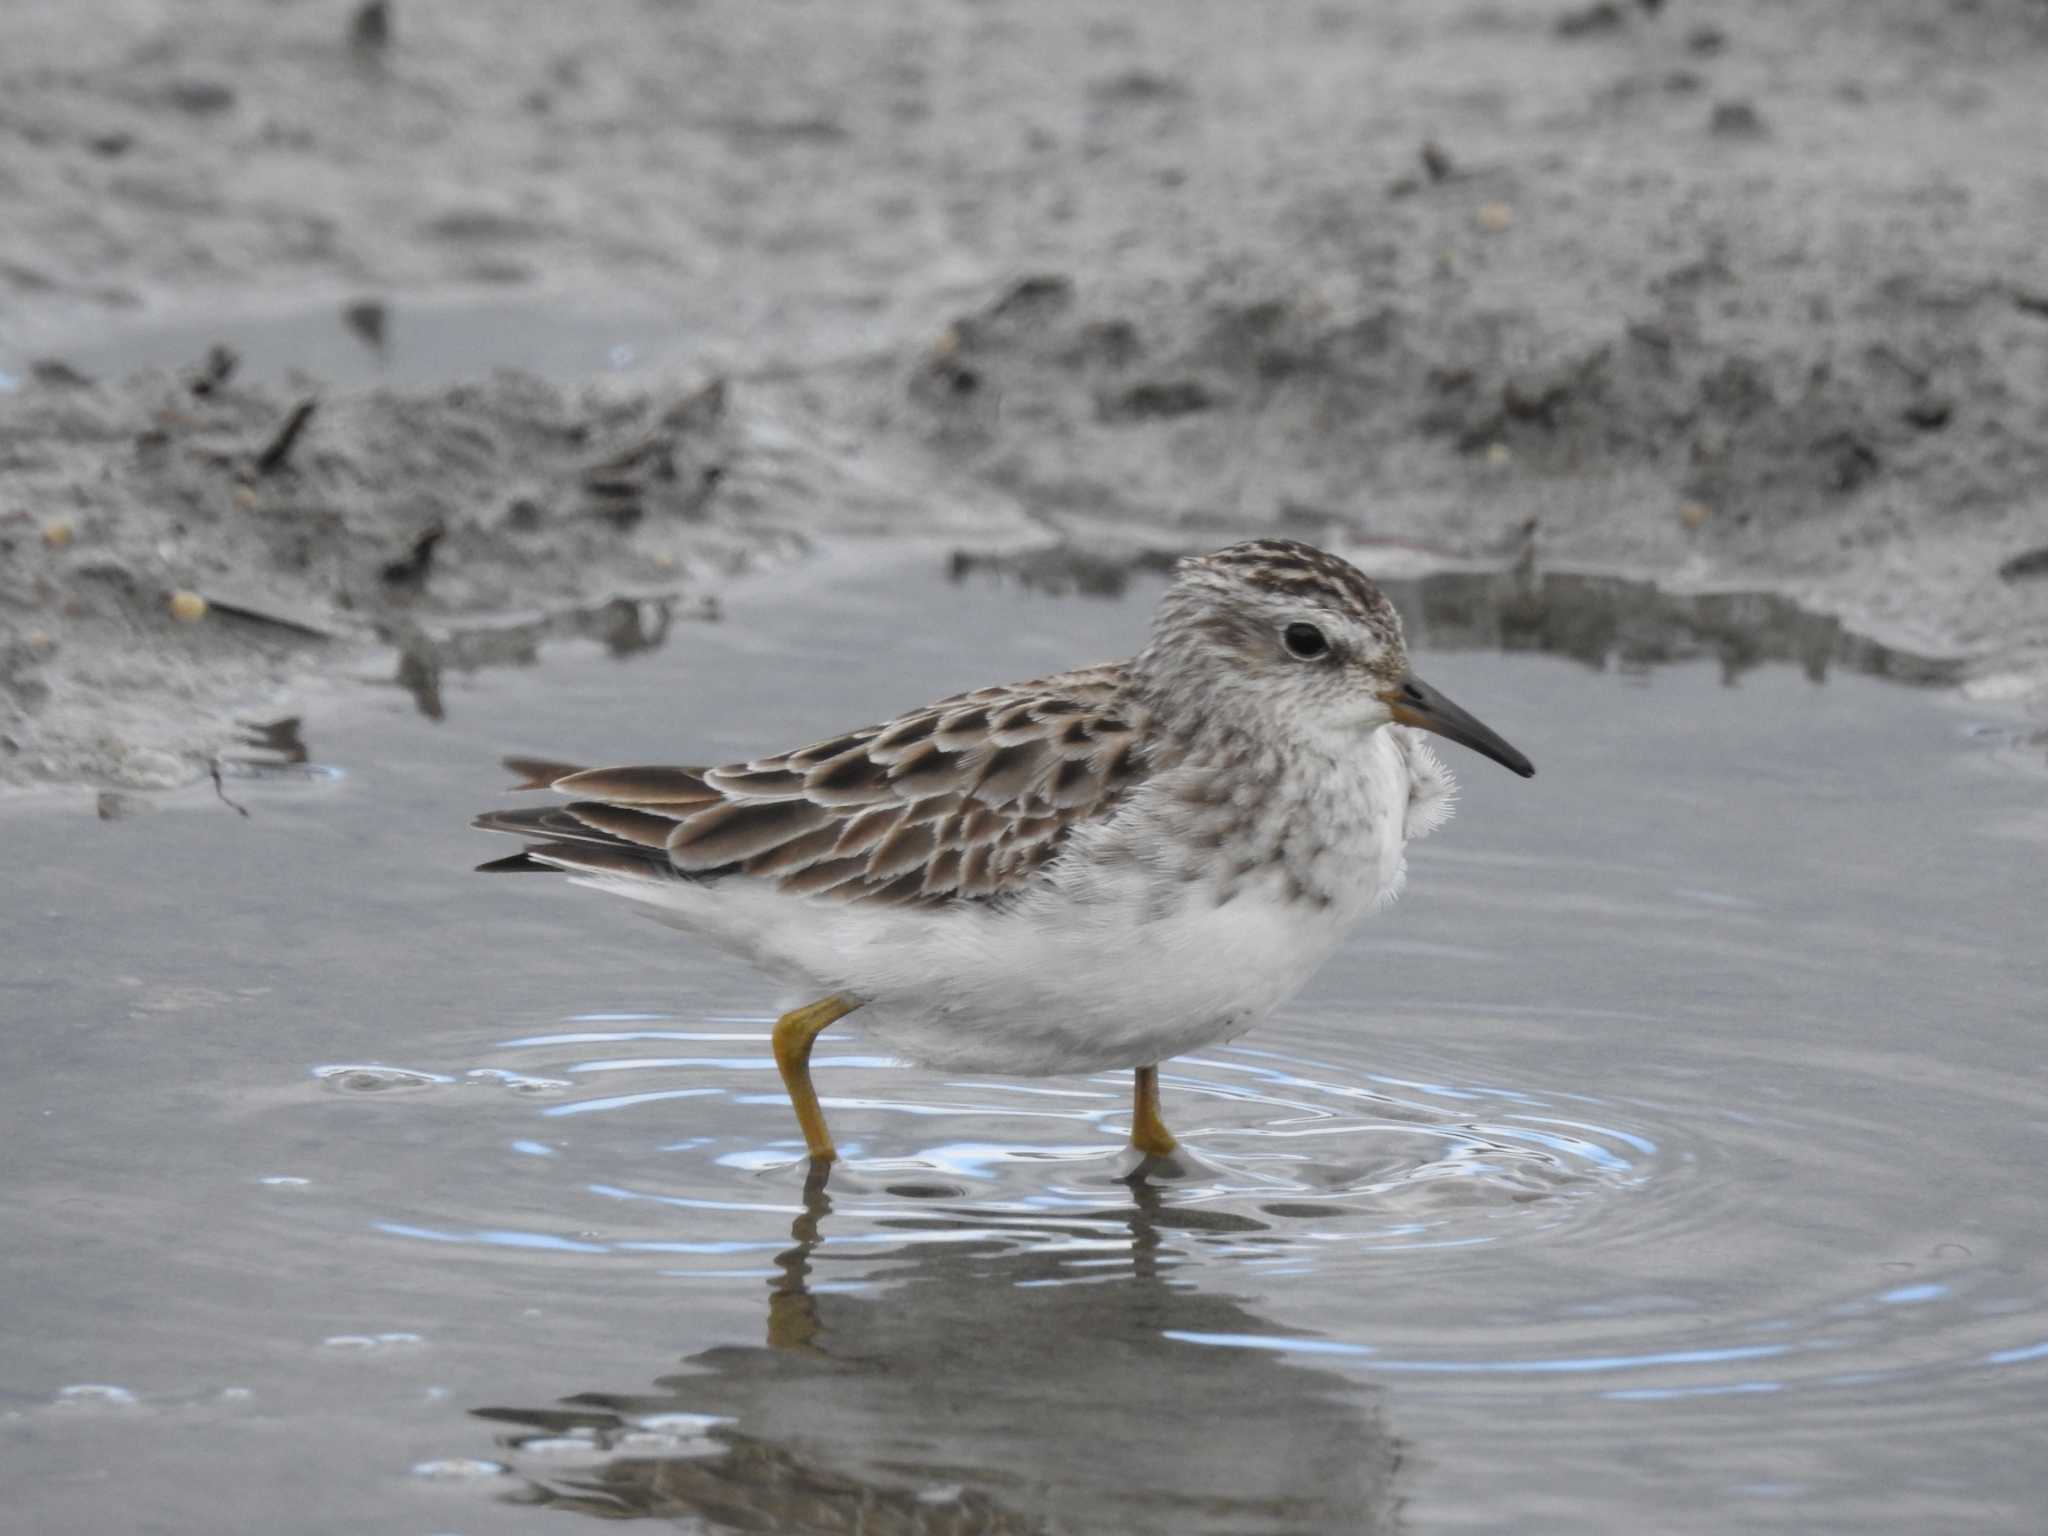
<point>1098,869</point>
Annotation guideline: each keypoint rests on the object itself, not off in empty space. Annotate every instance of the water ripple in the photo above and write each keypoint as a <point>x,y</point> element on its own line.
<point>1297,1174</point>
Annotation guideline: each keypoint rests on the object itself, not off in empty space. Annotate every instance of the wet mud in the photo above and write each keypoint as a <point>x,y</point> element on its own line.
<point>1724,298</point>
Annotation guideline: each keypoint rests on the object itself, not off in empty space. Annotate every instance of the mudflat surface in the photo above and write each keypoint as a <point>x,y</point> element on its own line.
<point>1728,295</point>
<point>1662,1159</point>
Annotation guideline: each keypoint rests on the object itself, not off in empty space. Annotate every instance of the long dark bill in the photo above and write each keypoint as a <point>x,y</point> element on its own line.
<point>1414,702</point>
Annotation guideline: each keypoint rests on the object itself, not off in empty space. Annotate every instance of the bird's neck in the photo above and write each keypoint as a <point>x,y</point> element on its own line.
<point>1244,797</point>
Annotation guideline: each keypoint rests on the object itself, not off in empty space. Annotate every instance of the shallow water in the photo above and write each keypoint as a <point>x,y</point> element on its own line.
<point>1666,1159</point>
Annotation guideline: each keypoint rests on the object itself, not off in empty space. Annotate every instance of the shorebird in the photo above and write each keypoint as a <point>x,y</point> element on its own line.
<point>1099,869</point>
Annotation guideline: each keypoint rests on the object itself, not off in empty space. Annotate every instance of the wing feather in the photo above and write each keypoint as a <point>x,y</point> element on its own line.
<point>539,772</point>
<point>645,828</point>
<point>640,786</point>
<point>851,778</point>
<point>734,830</point>
<point>757,782</point>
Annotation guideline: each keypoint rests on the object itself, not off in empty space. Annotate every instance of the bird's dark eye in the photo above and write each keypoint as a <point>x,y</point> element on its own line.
<point>1305,641</point>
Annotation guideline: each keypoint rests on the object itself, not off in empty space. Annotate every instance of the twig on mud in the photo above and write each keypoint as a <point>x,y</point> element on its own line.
<point>274,457</point>
<point>411,568</point>
<point>213,772</point>
<point>220,365</point>
<point>370,31</point>
<point>274,620</point>
<point>2024,567</point>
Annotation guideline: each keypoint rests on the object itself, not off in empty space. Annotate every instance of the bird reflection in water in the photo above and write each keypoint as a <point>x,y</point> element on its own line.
<point>974,1386</point>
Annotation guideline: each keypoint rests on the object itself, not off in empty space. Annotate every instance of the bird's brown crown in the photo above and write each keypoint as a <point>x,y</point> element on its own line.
<point>1291,569</point>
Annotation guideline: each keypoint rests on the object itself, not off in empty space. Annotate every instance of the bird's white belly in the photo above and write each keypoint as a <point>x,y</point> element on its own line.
<point>1066,989</point>
<point>1113,967</point>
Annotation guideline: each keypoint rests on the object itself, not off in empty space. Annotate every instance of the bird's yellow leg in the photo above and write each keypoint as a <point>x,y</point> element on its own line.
<point>1148,1132</point>
<point>794,1033</point>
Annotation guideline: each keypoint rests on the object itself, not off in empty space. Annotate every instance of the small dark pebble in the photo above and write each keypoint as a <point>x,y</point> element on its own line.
<point>1647,333</point>
<point>1137,85</point>
<point>1706,41</point>
<point>118,142</point>
<point>2027,567</point>
<point>1589,21</point>
<point>619,506</point>
<point>1113,343</point>
<point>201,98</point>
<point>220,365</point>
<point>1033,298</point>
<point>1436,160</point>
<point>1164,397</point>
<point>954,377</point>
<point>1736,120</point>
<point>371,28</point>
<point>367,319</point>
<point>1537,400</point>
<point>1931,414</point>
<point>55,373</point>
<point>411,569</point>
<point>749,132</point>
<point>1847,460</point>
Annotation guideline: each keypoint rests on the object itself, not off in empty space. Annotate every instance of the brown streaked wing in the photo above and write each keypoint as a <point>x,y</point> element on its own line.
<point>963,800</point>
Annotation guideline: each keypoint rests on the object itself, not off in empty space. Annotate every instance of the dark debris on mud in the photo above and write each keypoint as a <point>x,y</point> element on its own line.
<point>1751,296</point>
<point>198,538</point>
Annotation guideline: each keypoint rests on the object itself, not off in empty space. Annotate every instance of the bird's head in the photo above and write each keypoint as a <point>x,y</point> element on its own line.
<point>1281,631</point>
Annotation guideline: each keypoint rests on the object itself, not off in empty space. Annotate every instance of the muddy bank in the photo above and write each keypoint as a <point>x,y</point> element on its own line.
<point>185,549</point>
<point>1718,295</point>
